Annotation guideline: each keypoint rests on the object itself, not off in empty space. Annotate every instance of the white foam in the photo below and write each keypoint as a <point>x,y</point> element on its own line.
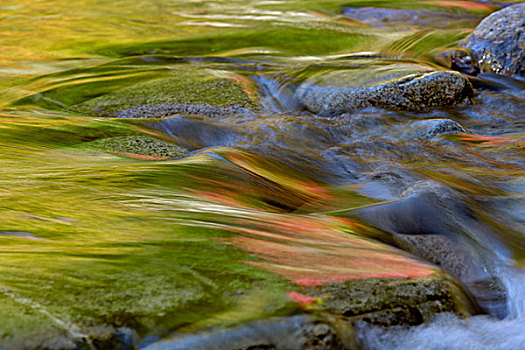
<point>514,281</point>
<point>449,332</point>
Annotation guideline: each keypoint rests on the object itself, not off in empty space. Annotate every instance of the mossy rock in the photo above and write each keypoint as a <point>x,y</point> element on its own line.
<point>181,89</point>
<point>143,145</point>
<point>389,302</point>
<point>166,110</point>
<point>180,85</point>
<point>30,328</point>
<point>330,324</point>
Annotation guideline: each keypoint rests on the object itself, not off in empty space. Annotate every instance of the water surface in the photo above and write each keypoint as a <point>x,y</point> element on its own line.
<point>104,242</point>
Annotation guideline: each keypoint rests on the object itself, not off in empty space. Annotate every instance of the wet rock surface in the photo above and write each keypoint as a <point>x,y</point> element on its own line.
<point>168,110</point>
<point>384,18</point>
<point>144,145</point>
<point>498,42</point>
<point>389,302</point>
<point>431,222</point>
<point>183,90</point>
<point>381,302</point>
<point>413,92</point>
<point>458,60</point>
<point>430,128</point>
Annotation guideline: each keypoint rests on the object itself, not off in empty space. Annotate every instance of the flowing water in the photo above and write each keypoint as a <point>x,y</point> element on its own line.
<point>145,246</point>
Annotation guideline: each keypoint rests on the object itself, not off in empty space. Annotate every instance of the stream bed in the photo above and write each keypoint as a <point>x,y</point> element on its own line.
<point>180,175</point>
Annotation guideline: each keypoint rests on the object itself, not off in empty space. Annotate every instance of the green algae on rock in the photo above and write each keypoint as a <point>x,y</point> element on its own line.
<point>216,92</point>
<point>498,42</point>
<point>143,145</point>
<point>168,84</point>
<point>331,321</point>
<point>404,89</point>
<point>165,110</point>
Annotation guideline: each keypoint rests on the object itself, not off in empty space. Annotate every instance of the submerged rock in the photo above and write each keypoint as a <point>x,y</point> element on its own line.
<point>340,306</point>
<point>185,89</point>
<point>293,333</point>
<point>385,18</point>
<point>191,89</point>
<point>427,129</point>
<point>498,42</point>
<point>143,145</point>
<point>198,132</point>
<point>413,91</point>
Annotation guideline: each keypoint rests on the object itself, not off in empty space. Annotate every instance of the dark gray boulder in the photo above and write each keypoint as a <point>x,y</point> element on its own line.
<point>398,89</point>
<point>432,222</point>
<point>498,42</point>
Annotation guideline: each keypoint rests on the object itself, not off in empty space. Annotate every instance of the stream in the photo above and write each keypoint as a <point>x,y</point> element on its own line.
<point>133,212</point>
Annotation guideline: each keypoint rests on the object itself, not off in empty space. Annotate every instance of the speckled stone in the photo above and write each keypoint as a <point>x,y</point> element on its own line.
<point>427,129</point>
<point>417,91</point>
<point>139,144</point>
<point>166,110</point>
<point>389,302</point>
<point>498,42</point>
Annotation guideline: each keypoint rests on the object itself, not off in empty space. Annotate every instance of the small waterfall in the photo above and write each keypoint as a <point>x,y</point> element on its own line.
<point>276,94</point>
<point>514,281</point>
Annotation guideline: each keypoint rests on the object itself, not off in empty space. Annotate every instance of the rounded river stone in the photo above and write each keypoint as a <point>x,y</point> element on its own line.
<point>498,42</point>
<point>417,91</point>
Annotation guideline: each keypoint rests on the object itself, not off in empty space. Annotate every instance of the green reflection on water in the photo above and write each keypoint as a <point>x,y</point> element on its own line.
<point>91,239</point>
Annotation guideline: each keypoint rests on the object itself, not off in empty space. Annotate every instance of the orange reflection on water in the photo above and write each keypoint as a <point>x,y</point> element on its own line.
<point>314,250</point>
